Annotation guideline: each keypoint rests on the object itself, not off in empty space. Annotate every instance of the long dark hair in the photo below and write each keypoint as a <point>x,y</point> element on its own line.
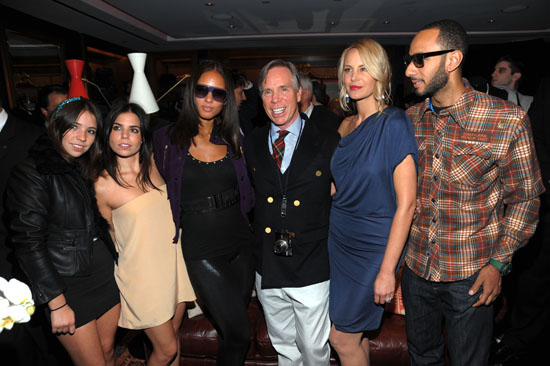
<point>62,120</point>
<point>226,124</point>
<point>110,162</point>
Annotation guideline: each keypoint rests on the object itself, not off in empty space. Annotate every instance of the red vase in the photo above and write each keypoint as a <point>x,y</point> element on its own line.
<point>76,86</point>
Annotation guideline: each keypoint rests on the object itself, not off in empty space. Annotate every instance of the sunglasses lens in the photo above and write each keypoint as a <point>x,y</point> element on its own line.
<point>219,95</point>
<point>418,60</point>
<point>201,91</point>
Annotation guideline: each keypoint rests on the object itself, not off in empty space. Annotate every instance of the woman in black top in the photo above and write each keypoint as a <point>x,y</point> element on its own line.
<point>59,237</point>
<point>200,158</point>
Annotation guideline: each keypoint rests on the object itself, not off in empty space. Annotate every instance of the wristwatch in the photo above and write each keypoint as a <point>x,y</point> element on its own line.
<point>504,268</point>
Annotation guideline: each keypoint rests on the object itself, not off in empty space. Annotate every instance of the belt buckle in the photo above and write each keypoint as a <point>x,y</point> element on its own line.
<point>213,202</point>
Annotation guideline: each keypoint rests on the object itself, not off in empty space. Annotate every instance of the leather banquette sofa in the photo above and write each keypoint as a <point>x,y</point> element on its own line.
<point>198,339</point>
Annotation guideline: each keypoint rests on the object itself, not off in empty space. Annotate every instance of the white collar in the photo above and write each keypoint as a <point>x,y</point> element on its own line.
<point>309,110</point>
<point>294,129</point>
<point>506,88</point>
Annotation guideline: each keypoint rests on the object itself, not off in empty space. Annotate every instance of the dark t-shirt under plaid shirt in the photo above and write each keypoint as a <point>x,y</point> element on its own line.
<point>478,186</point>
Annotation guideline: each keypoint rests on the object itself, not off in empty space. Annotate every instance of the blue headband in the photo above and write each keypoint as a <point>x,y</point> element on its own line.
<point>66,101</point>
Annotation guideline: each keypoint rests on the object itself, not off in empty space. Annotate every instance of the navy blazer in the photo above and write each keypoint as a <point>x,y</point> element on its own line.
<point>308,208</point>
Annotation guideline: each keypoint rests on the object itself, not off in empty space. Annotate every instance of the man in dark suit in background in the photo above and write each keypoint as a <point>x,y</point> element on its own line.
<point>289,162</point>
<point>25,343</point>
<point>526,330</point>
<point>320,96</point>
<point>318,114</point>
<point>16,137</point>
<point>48,99</point>
<point>507,76</point>
<point>246,97</point>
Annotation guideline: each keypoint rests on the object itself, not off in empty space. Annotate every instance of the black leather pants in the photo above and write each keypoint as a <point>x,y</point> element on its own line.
<point>223,286</point>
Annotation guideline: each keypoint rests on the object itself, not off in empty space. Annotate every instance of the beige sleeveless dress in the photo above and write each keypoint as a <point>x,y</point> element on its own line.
<point>151,273</point>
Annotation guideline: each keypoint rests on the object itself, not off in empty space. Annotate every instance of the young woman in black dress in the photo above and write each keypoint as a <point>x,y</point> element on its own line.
<point>59,237</point>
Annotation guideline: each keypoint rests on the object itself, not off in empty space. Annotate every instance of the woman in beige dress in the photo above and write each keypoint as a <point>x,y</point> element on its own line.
<point>131,196</point>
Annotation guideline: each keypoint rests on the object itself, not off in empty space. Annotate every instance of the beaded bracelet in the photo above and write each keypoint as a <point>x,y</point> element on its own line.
<point>52,310</point>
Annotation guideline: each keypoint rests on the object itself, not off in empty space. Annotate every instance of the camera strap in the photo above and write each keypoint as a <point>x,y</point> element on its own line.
<point>284,187</point>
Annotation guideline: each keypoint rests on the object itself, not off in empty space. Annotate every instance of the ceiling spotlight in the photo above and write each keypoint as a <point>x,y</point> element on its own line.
<point>386,21</point>
<point>210,3</point>
<point>332,22</point>
<point>514,9</point>
<point>231,26</point>
<point>491,21</point>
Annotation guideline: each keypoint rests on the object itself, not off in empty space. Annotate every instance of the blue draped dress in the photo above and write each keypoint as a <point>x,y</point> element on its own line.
<point>362,213</point>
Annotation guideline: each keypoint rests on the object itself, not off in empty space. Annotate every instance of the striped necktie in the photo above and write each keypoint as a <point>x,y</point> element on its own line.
<point>279,147</point>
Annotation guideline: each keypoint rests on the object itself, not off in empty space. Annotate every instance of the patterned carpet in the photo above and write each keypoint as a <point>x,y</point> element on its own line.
<point>130,341</point>
<point>124,358</point>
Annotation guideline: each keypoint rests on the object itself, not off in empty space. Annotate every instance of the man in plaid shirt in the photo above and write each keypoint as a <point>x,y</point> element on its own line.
<point>477,201</point>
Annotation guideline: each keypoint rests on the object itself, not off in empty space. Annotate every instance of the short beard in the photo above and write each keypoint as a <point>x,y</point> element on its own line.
<point>437,83</point>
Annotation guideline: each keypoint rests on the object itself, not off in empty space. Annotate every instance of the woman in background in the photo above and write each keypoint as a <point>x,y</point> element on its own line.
<point>151,273</point>
<point>374,174</point>
<point>59,237</point>
<point>200,157</point>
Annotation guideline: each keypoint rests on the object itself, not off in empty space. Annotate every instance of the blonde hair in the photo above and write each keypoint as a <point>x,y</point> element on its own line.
<point>376,60</point>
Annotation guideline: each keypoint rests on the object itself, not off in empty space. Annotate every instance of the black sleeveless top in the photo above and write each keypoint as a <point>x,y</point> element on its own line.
<point>206,235</point>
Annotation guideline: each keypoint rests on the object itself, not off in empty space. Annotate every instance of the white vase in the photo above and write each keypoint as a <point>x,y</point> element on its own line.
<point>141,92</point>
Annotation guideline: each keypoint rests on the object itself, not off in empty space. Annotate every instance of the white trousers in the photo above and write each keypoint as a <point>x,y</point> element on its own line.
<point>297,322</point>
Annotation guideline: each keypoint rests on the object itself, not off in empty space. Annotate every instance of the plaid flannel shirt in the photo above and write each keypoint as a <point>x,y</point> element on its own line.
<point>478,186</point>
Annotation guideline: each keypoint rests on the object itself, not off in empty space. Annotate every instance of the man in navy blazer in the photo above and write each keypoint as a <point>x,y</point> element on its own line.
<point>292,183</point>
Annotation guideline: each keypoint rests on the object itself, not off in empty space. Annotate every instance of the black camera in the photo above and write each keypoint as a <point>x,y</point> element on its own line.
<point>283,243</point>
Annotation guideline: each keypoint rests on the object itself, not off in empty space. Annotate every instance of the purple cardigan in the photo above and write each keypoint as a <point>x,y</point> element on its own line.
<point>170,161</point>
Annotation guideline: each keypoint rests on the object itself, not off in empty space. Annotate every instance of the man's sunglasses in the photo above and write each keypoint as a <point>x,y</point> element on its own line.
<point>219,95</point>
<point>418,58</point>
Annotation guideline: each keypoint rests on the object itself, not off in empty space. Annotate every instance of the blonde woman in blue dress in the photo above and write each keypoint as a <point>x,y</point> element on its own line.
<point>374,174</point>
<point>151,273</point>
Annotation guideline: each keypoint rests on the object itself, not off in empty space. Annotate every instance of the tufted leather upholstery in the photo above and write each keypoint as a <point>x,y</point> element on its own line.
<point>199,341</point>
